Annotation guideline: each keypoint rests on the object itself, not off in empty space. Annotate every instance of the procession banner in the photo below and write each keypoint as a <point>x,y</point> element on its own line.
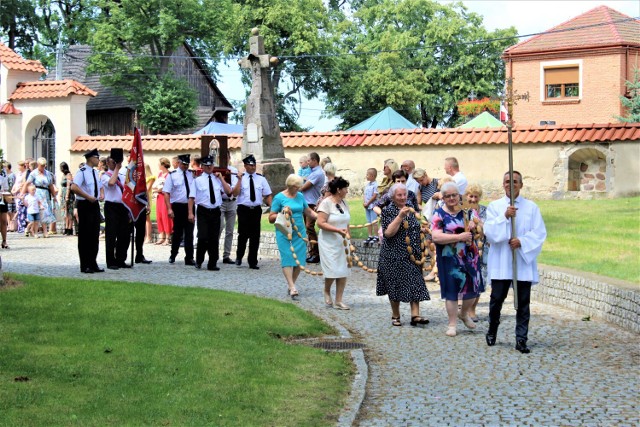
<point>134,195</point>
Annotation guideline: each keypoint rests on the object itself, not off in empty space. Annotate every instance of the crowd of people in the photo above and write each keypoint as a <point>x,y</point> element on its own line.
<point>407,213</point>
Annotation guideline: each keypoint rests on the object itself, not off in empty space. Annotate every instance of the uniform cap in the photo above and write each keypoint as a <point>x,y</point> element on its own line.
<point>206,161</point>
<point>185,158</point>
<point>92,153</point>
<point>249,160</point>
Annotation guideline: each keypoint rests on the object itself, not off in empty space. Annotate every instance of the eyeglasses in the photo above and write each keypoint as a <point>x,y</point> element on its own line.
<point>339,208</point>
<point>451,196</point>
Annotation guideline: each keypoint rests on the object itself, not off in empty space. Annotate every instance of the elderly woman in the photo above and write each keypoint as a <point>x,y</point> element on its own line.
<point>473,195</point>
<point>292,251</point>
<point>457,258</point>
<point>390,166</point>
<point>45,190</point>
<point>399,276</point>
<point>333,220</point>
<point>399,177</point>
<point>21,176</point>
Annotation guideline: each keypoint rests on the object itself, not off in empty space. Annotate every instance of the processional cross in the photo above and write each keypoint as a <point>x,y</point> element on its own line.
<point>511,99</point>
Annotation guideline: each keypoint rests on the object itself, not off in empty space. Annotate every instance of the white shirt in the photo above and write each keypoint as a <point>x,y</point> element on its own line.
<point>174,185</point>
<point>461,182</point>
<point>531,232</point>
<point>112,193</point>
<point>200,191</point>
<point>84,178</point>
<point>261,186</point>
<point>412,184</point>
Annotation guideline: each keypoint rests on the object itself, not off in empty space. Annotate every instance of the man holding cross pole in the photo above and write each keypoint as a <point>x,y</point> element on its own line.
<point>524,241</point>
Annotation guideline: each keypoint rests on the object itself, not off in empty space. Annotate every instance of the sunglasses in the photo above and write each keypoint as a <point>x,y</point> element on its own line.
<point>339,208</point>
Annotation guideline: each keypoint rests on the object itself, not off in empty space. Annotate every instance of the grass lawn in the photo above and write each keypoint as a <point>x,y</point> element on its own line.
<point>597,236</point>
<point>108,353</point>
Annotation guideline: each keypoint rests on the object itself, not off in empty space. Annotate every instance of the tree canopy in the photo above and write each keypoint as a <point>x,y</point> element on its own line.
<point>417,56</point>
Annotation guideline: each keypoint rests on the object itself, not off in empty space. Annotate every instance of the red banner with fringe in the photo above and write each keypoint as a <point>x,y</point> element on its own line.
<point>134,195</point>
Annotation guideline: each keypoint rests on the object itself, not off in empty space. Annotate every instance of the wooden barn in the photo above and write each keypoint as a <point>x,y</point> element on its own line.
<point>112,114</point>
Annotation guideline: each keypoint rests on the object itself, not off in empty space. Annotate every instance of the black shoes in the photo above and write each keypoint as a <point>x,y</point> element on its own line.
<point>98,270</point>
<point>142,260</point>
<point>172,259</point>
<point>521,346</point>
<point>124,265</point>
<point>189,262</point>
<point>88,271</point>
<point>227,261</point>
<point>254,267</point>
<point>198,265</point>
<point>491,339</point>
<point>238,262</point>
<point>213,267</point>
<point>113,267</point>
<point>314,259</point>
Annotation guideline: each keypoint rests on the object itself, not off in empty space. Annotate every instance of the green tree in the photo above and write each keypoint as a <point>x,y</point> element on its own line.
<point>134,40</point>
<point>169,106</point>
<point>297,32</point>
<point>18,25</point>
<point>632,102</point>
<point>417,56</point>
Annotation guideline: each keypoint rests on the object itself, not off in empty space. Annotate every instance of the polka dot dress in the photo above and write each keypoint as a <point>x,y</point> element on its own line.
<point>399,277</point>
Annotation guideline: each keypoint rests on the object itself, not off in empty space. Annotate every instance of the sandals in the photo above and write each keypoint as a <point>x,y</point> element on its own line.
<point>5,246</point>
<point>160,242</point>
<point>395,321</point>
<point>327,300</point>
<point>451,331</point>
<point>467,321</point>
<point>418,320</point>
<point>293,293</point>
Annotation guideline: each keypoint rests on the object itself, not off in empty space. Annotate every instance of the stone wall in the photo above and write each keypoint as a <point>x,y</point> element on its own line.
<point>587,294</point>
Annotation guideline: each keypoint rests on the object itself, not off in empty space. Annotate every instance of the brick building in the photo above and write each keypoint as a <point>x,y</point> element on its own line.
<point>576,71</point>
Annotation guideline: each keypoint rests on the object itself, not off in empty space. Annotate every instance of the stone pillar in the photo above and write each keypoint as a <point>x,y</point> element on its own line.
<point>261,135</point>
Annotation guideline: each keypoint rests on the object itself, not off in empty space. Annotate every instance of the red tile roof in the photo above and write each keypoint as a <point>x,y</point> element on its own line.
<point>9,108</point>
<point>579,133</point>
<point>50,89</point>
<point>13,61</point>
<point>600,27</point>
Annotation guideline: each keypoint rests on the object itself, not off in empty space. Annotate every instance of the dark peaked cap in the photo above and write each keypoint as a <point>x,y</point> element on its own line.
<point>249,160</point>
<point>185,158</point>
<point>92,153</point>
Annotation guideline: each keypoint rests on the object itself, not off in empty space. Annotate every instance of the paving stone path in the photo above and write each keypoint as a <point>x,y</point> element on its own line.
<point>579,373</point>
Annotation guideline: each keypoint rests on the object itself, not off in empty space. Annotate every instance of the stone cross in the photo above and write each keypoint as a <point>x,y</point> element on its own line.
<point>261,136</point>
<point>261,130</point>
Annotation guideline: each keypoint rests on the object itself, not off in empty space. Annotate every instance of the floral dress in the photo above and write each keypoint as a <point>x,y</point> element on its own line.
<point>399,277</point>
<point>458,263</point>
<point>42,182</point>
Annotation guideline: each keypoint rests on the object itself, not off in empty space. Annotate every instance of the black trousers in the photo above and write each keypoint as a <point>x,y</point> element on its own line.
<point>499,291</point>
<point>88,233</point>
<point>249,229</point>
<point>182,227</point>
<point>117,233</point>
<point>141,232</point>
<point>208,235</point>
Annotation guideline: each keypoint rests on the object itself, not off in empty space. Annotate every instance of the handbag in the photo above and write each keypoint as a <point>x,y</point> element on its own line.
<point>283,224</point>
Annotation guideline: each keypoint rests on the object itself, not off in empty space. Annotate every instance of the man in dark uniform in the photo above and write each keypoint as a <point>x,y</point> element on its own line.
<point>206,194</point>
<point>252,190</point>
<point>176,191</point>
<point>117,224</point>
<point>88,191</point>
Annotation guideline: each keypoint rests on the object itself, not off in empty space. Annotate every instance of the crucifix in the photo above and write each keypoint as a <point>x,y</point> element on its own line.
<point>511,99</point>
<point>261,136</point>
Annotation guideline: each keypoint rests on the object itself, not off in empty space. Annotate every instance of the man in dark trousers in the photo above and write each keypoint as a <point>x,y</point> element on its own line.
<point>86,186</point>
<point>206,195</point>
<point>118,226</point>
<point>252,190</point>
<point>176,196</point>
<point>527,244</point>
